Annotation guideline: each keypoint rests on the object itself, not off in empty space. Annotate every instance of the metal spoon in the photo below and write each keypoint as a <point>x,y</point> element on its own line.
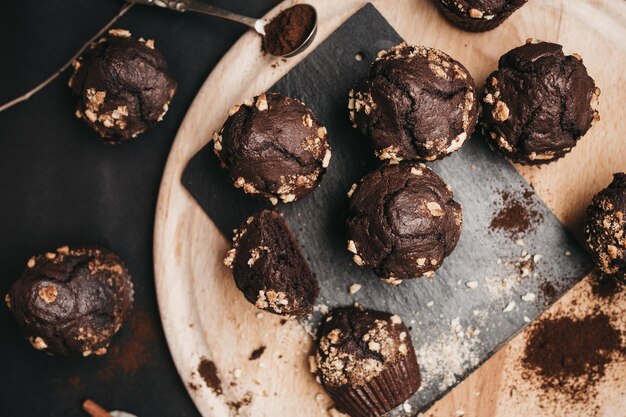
<point>257,24</point>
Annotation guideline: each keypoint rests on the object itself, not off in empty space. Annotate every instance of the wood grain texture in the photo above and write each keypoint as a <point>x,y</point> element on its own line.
<point>204,315</point>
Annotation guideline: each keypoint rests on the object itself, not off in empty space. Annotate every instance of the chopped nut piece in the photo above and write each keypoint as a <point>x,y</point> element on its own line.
<point>48,294</point>
<point>354,288</point>
<point>471,284</point>
<point>261,102</point>
<point>435,209</point>
<point>509,307</point>
<point>233,110</point>
<point>500,112</point>
<point>352,246</point>
<point>475,13</point>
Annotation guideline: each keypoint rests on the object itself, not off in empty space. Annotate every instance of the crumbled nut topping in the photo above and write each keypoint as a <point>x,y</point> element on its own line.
<point>352,246</point>
<point>500,112</point>
<point>416,171</point>
<point>326,160</point>
<point>233,110</point>
<point>435,209</point>
<point>256,253</point>
<point>354,288</point>
<point>38,343</point>
<point>48,294</point>
<point>340,366</point>
<point>122,33</point>
<point>272,300</point>
<point>391,153</point>
<point>352,190</point>
<point>261,102</point>
<point>393,281</point>
<point>307,120</point>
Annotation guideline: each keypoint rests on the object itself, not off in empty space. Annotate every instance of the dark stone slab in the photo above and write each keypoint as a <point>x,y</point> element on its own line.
<point>441,312</point>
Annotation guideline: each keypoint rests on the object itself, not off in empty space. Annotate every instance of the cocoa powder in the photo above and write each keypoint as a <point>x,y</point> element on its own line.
<point>257,353</point>
<point>516,217</point>
<point>570,356</point>
<point>288,30</point>
<point>604,286</point>
<point>208,372</point>
<point>129,355</point>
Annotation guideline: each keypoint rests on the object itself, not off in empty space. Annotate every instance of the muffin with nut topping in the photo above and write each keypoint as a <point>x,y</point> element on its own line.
<point>72,300</point>
<point>538,104</point>
<point>417,104</point>
<point>605,228</point>
<point>478,15</point>
<point>402,222</point>
<point>366,362</point>
<point>122,86</point>
<point>273,147</point>
<point>269,268</point>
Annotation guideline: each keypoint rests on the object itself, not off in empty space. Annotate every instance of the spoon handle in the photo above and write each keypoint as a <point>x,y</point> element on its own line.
<point>201,7</point>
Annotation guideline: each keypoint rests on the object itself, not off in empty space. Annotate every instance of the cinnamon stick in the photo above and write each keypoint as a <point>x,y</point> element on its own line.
<point>51,78</point>
<point>94,410</point>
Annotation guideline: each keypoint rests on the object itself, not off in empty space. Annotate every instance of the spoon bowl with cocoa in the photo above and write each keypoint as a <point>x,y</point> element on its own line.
<point>286,35</point>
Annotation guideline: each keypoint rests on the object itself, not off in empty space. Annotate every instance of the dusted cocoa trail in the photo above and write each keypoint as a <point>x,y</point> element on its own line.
<point>567,356</point>
<point>516,217</point>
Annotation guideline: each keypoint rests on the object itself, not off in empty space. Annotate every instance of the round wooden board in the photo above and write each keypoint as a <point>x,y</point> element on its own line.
<point>206,318</point>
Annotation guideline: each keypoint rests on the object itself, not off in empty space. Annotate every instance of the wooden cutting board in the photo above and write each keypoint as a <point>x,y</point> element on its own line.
<point>204,315</point>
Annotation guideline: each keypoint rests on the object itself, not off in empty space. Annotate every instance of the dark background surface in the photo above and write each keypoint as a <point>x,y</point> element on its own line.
<point>60,185</point>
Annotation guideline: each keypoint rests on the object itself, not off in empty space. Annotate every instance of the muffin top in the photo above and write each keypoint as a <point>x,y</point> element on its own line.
<point>417,104</point>
<point>538,103</point>
<point>402,221</point>
<point>268,266</point>
<point>122,86</point>
<point>73,300</point>
<point>273,146</point>
<point>605,227</point>
<point>356,345</point>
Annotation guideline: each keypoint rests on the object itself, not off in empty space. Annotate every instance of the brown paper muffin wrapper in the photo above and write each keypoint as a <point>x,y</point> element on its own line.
<point>470,24</point>
<point>394,385</point>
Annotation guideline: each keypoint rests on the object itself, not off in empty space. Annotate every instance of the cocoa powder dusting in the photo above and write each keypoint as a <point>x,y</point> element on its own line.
<point>288,30</point>
<point>604,286</point>
<point>548,292</point>
<point>129,355</point>
<point>257,353</point>
<point>516,217</point>
<point>208,372</point>
<point>570,356</point>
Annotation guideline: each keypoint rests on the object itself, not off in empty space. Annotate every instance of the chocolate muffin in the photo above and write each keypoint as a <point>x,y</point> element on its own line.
<point>273,146</point>
<point>73,300</point>
<point>121,86</point>
<point>269,268</point>
<point>402,222</point>
<point>538,103</point>
<point>418,104</point>
<point>478,15</point>
<point>366,361</point>
<point>605,228</point>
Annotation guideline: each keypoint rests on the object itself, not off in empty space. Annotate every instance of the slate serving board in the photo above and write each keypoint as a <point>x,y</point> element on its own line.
<point>474,304</point>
